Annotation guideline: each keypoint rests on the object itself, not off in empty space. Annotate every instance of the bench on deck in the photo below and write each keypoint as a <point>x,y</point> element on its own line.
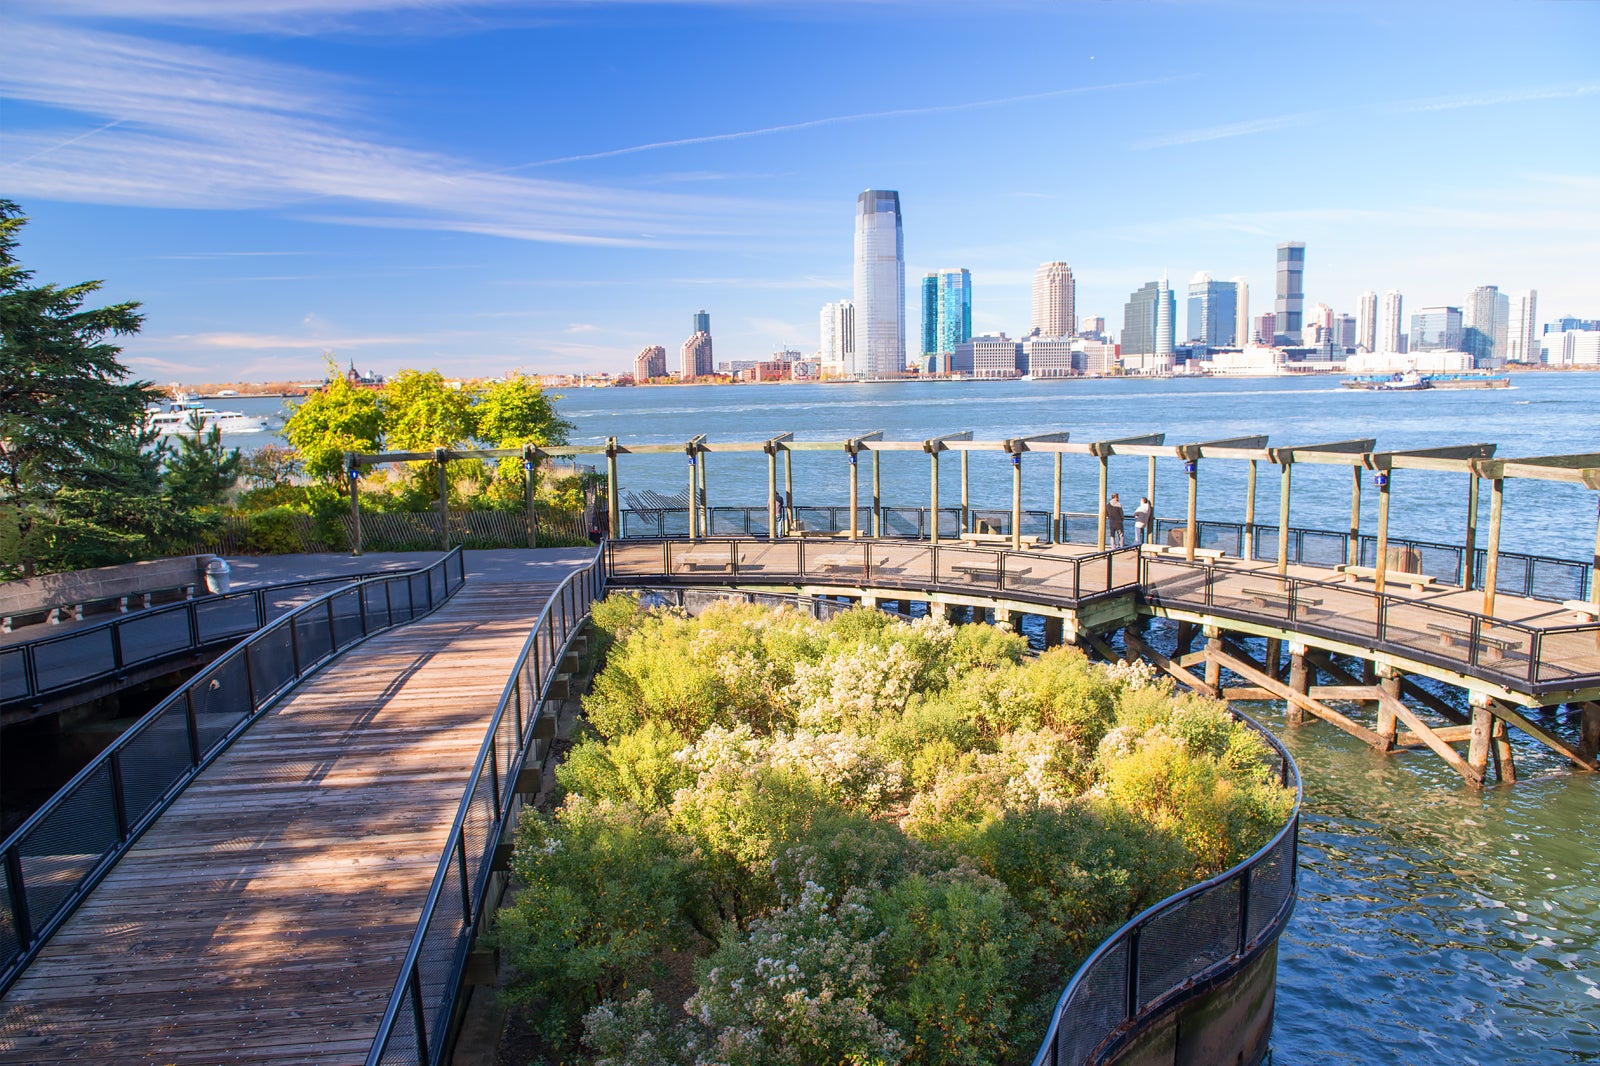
<point>1586,611</point>
<point>1170,551</point>
<point>1420,582</point>
<point>1000,540</point>
<point>1279,598</point>
<point>977,573</point>
<point>1453,636</point>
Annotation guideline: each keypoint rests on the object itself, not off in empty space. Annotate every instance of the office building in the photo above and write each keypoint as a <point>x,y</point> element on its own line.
<point>1266,329</point>
<point>1367,322</point>
<point>1390,321</point>
<point>1345,329</point>
<point>1522,328</point>
<point>837,351</point>
<point>1055,300</point>
<point>694,358</point>
<point>951,317</point>
<point>1213,311</point>
<point>1317,326</point>
<point>988,356</point>
<point>1571,347</point>
<point>880,287</point>
<point>702,322</point>
<point>1147,320</point>
<point>1290,308</point>
<point>1241,312</point>
<point>1050,357</point>
<point>1093,326</point>
<point>1436,329</point>
<point>651,362</point>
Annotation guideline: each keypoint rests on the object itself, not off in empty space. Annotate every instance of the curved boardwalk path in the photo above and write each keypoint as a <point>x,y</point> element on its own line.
<point>264,917</point>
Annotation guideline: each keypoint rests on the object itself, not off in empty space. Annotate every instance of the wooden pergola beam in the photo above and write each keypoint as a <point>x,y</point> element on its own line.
<point>1333,453</point>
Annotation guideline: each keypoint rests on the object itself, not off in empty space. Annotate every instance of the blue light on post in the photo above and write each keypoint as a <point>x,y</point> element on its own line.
<point>1188,468</point>
<point>1381,480</point>
<point>1016,459</point>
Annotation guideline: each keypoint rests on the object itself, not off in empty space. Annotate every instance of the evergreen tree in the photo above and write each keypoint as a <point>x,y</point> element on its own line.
<point>202,471</point>
<point>71,425</point>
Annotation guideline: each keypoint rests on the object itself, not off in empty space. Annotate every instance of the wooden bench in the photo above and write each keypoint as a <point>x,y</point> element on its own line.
<point>1452,637</point>
<point>1420,582</point>
<point>1000,540</point>
<point>1169,551</point>
<point>1586,611</point>
<point>1279,598</point>
<point>987,575</point>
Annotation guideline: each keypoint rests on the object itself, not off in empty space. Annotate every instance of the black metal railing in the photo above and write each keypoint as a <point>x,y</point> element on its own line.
<point>58,855</point>
<point>1035,576</point>
<point>1534,659</point>
<point>1532,576</point>
<point>1184,944</point>
<point>417,1023</point>
<point>57,663</point>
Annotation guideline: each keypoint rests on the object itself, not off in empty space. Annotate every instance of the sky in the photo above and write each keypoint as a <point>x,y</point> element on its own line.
<point>481,186</point>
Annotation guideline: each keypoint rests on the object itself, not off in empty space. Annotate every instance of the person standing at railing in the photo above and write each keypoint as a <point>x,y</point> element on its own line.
<point>1114,520</point>
<point>1142,516</point>
<point>777,514</point>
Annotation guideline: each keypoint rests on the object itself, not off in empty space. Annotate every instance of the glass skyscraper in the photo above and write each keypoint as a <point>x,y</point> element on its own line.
<point>880,286</point>
<point>1436,329</point>
<point>1147,320</point>
<point>930,315</point>
<point>1290,308</point>
<point>1213,311</point>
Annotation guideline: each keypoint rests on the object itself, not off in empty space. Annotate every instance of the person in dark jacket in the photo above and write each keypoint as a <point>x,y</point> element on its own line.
<point>1114,520</point>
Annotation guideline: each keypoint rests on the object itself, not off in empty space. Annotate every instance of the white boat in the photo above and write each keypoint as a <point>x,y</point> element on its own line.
<point>181,413</point>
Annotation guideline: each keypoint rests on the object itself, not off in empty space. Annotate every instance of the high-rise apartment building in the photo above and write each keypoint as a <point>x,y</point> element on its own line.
<point>651,362</point>
<point>694,358</point>
<point>837,352</point>
<point>1367,322</point>
<point>1344,331</point>
<point>1055,300</point>
<point>1241,312</point>
<point>1522,328</point>
<point>1267,328</point>
<point>930,315</point>
<point>952,314</point>
<point>1317,325</point>
<point>1436,329</point>
<point>1390,321</point>
<point>1147,320</point>
<point>1288,312</point>
<point>1092,326</point>
<point>1213,311</point>
<point>1483,326</point>
<point>880,287</point>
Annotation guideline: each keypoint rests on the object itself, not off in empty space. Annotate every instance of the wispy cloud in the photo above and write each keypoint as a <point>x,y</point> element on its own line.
<point>190,127</point>
<point>1493,98</point>
<point>835,120</point>
<point>288,342</point>
<point>1218,133</point>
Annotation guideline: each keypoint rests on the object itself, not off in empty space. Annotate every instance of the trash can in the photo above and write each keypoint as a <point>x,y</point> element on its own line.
<point>218,576</point>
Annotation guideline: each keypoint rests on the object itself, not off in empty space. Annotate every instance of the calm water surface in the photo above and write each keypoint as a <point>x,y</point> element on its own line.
<point>1435,925</point>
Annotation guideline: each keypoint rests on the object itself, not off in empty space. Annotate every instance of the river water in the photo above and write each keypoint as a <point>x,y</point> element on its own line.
<point>1435,925</point>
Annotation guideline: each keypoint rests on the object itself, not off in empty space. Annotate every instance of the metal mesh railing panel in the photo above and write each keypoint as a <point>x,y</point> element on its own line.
<point>271,661</point>
<point>1196,934</point>
<point>1098,1006</point>
<point>153,635</point>
<point>221,702</point>
<point>475,827</point>
<point>376,598</point>
<point>152,762</point>
<point>60,662</point>
<point>1271,885</point>
<point>768,559</point>
<point>345,610</point>
<point>60,851</point>
<point>312,631</point>
<point>896,564</point>
<point>401,1048</point>
<point>10,943</point>
<point>418,585</point>
<point>446,928</point>
<point>13,674</point>
<point>222,617</point>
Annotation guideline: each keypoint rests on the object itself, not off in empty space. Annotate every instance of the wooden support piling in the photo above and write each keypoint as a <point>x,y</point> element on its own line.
<point>1301,673</point>
<point>1389,682</point>
<point>1213,675</point>
<point>1589,730</point>
<point>1482,729</point>
<point>1505,767</point>
<point>1274,663</point>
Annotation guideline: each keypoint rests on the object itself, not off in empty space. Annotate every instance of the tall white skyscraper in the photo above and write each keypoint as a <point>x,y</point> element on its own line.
<point>838,348</point>
<point>1165,307</point>
<point>1055,299</point>
<point>1367,322</point>
<point>1522,328</point>
<point>880,287</point>
<point>1242,314</point>
<point>1389,322</point>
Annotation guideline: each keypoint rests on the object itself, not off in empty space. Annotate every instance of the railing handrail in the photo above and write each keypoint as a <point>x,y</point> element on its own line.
<point>1290,773</point>
<point>408,979</point>
<point>40,931</point>
<point>28,648</point>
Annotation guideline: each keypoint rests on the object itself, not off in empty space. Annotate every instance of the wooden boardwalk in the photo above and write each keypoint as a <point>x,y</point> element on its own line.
<point>264,917</point>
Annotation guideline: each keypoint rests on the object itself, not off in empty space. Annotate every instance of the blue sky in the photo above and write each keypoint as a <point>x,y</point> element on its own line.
<point>485,186</point>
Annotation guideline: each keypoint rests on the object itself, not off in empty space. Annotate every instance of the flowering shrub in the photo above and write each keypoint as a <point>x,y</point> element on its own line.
<point>880,842</point>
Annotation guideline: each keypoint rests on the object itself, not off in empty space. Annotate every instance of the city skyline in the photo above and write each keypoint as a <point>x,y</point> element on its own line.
<point>394,182</point>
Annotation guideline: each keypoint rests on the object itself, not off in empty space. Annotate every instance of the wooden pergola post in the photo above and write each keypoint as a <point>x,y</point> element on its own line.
<point>854,488</point>
<point>1491,565</point>
<point>934,447</point>
<point>877,499</point>
<point>1150,494</point>
<point>705,496</point>
<point>1105,480</point>
<point>772,492</point>
<point>1056,521</point>
<point>613,492</point>
<point>1250,512</point>
<point>1382,562</point>
<point>1015,448</point>
<point>1352,552</point>
<point>353,465</point>
<point>530,485</point>
<point>1191,467</point>
<point>1283,515</point>
<point>966,500</point>
<point>788,483</point>
<point>444,499</point>
<point>694,490</point>
<point>1469,560</point>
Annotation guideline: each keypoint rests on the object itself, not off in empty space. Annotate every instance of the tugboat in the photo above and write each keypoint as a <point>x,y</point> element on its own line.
<point>1410,381</point>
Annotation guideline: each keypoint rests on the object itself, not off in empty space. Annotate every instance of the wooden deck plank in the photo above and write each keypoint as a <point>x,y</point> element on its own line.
<point>264,916</point>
